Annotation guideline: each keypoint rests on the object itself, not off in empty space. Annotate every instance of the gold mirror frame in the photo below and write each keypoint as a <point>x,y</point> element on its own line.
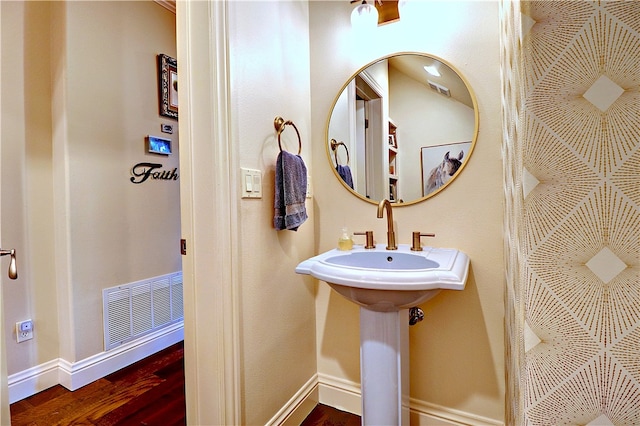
<point>331,142</point>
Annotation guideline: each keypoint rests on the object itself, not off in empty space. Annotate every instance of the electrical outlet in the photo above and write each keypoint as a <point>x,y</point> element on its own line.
<point>24,330</point>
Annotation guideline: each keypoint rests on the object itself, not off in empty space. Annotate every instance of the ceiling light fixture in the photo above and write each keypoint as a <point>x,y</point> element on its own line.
<point>364,16</point>
<point>431,69</point>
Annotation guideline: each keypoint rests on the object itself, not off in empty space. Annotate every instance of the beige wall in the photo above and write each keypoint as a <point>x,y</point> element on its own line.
<point>457,356</point>
<point>119,232</point>
<point>270,77</point>
<point>82,95</point>
<point>574,163</point>
<point>27,180</point>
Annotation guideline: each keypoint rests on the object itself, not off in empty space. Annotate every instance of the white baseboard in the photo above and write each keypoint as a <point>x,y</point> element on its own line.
<point>427,414</point>
<point>33,380</point>
<point>74,375</point>
<point>299,406</point>
<point>340,393</point>
<point>345,395</point>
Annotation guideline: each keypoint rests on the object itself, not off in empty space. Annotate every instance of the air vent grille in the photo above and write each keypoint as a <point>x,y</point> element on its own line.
<point>439,88</point>
<point>135,309</point>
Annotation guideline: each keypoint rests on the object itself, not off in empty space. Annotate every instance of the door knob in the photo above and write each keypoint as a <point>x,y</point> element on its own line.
<point>13,270</point>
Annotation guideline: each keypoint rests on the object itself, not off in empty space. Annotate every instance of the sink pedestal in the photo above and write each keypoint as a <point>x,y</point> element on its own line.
<point>384,366</point>
<point>386,283</point>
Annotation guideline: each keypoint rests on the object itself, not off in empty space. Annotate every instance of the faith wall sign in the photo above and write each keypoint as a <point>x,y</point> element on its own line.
<point>144,171</point>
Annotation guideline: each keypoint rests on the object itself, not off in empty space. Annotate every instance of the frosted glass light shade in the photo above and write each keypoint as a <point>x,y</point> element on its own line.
<point>364,16</point>
<point>413,12</point>
<point>404,8</point>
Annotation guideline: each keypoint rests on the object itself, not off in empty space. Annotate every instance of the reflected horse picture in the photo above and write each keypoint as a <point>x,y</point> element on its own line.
<point>442,173</point>
<point>435,176</point>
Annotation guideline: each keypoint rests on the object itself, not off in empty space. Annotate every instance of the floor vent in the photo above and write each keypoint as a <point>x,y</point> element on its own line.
<point>135,309</point>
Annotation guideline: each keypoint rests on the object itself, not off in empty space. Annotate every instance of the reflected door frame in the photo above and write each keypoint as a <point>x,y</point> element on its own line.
<point>371,95</point>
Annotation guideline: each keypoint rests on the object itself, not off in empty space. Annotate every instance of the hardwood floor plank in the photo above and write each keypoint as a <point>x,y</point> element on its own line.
<point>324,415</point>
<point>118,395</point>
<point>42,397</point>
<point>169,410</point>
<point>171,392</point>
<point>54,411</point>
<point>20,407</point>
<point>174,368</point>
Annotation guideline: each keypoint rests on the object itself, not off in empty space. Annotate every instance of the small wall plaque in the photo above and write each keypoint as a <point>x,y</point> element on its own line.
<point>156,145</point>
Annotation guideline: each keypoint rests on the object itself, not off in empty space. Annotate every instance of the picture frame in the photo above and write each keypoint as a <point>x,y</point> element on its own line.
<point>168,86</point>
<point>157,145</point>
<point>438,161</point>
<point>392,141</point>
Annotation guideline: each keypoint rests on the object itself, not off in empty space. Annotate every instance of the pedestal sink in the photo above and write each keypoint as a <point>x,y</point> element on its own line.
<point>385,283</point>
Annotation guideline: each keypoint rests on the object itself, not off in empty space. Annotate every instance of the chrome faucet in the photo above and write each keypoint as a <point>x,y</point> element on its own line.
<point>391,236</point>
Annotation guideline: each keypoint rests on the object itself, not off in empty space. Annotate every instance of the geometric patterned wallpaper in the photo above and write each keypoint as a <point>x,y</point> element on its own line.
<point>574,298</point>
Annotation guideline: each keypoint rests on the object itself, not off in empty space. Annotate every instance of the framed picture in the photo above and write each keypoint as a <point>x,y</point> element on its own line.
<point>156,145</point>
<point>392,141</point>
<point>440,163</point>
<point>168,86</point>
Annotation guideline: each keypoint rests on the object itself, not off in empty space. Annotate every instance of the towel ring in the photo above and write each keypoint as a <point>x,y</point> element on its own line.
<point>279,124</point>
<point>334,147</point>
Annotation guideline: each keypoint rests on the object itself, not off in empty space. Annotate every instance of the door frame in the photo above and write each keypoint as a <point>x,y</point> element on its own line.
<point>5,417</point>
<point>207,201</point>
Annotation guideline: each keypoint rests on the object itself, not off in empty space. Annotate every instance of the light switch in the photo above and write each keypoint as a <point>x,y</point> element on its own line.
<point>257,184</point>
<point>251,183</point>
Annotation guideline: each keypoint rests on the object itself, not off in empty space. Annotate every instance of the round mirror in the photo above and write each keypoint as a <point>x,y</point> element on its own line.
<point>402,128</point>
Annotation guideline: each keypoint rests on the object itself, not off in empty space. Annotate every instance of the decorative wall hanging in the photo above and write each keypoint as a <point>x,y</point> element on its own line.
<point>168,86</point>
<point>144,171</point>
<point>156,145</point>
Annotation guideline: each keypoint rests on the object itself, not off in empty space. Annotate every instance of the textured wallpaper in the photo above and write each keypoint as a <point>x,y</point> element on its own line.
<point>572,182</point>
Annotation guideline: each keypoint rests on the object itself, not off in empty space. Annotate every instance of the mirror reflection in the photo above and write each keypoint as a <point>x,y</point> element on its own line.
<point>402,129</point>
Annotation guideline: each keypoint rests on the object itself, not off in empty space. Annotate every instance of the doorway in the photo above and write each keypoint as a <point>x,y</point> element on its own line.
<point>77,110</point>
<point>369,135</point>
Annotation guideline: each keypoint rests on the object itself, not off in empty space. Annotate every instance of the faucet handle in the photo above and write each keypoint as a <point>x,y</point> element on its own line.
<point>416,246</point>
<point>369,239</point>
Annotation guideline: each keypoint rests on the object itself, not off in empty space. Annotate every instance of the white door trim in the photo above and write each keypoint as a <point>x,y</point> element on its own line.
<point>5,418</point>
<point>208,212</point>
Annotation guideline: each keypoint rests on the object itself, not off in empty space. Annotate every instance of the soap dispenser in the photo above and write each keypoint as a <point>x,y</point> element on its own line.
<point>345,242</point>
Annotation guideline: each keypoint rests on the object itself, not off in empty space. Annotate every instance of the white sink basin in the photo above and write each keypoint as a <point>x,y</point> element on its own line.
<point>383,260</point>
<point>387,280</point>
<point>385,283</point>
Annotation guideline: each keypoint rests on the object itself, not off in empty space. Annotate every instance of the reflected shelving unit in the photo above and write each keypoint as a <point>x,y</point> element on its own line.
<point>394,195</point>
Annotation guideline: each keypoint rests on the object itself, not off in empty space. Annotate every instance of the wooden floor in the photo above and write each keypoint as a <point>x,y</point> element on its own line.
<point>324,415</point>
<point>149,392</point>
